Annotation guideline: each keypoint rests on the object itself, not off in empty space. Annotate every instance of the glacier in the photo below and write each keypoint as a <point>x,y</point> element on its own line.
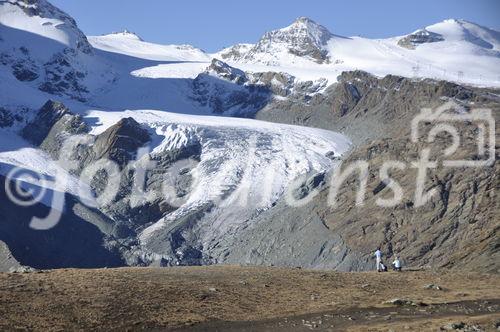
<point>184,97</point>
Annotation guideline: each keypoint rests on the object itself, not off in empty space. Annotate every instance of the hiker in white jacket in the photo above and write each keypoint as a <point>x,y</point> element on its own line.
<point>396,265</point>
<point>378,259</point>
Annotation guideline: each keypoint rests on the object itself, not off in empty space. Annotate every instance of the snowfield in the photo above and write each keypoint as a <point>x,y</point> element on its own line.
<point>172,70</point>
<point>130,44</point>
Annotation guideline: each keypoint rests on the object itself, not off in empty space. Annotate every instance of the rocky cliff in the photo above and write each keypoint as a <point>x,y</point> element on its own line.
<point>458,227</point>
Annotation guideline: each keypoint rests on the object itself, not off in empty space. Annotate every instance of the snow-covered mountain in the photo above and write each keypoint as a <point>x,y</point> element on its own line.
<point>129,43</point>
<point>454,50</point>
<point>461,32</point>
<point>43,19</point>
<point>303,39</point>
<point>42,46</point>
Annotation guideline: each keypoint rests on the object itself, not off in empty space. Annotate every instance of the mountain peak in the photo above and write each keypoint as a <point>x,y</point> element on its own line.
<point>466,31</point>
<point>45,20</point>
<point>303,38</point>
<point>452,20</point>
<point>454,23</point>
<point>304,27</point>
<point>126,34</point>
<point>304,20</point>
<point>459,21</point>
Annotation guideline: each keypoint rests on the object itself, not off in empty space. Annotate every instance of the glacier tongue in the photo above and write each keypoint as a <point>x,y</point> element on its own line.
<point>245,166</point>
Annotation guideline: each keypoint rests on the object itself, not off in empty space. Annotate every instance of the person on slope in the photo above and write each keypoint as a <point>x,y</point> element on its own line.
<point>378,259</point>
<point>383,268</point>
<point>396,265</point>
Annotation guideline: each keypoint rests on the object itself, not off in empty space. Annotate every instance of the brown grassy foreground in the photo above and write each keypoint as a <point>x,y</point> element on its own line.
<point>244,298</point>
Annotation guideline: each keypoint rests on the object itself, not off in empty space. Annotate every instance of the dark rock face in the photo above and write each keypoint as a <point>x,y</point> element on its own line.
<point>7,119</point>
<point>457,228</point>
<point>224,71</point>
<point>364,107</point>
<point>120,142</point>
<point>226,90</point>
<point>419,37</point>
<point>230,91</point>
<point>50,113</point>
<point>51,126</point>
<point>62,78</point>
<point>54,124</point>
<point>131,219</point>
<point>25,70</point>
<point>59,76</point>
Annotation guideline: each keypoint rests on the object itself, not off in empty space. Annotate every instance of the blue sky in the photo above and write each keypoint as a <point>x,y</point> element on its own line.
<point>212,25</point>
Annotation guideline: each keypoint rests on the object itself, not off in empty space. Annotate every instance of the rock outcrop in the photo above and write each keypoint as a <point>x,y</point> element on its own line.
<point>419,37</point>
<point>120,142</point>
<point>7,261</point>
<point>226,90</point>
<point>51,126</point>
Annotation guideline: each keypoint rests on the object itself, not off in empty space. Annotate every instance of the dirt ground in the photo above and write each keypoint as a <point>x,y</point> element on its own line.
<point>228,298</point>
